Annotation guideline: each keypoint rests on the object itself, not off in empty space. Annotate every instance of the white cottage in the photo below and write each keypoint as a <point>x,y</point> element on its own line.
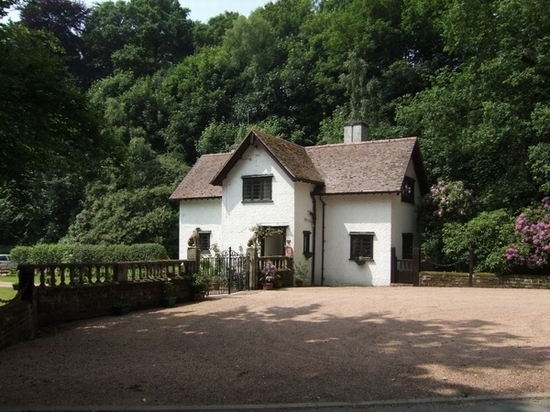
<point>347,209</point>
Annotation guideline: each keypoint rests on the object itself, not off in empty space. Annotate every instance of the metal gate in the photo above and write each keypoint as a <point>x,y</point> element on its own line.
<point>228,271</point>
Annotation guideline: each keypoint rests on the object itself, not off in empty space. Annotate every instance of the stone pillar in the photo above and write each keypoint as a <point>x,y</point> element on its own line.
<point>194,255</point>
<point>121,274</point>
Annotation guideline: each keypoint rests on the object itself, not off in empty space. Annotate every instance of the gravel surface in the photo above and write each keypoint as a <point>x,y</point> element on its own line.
<point>291,346</point>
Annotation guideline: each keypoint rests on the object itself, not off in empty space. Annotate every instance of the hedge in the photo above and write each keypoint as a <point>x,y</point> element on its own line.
<point>75,253</point>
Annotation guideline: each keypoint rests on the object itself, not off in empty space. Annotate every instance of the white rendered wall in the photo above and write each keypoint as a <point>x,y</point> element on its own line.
<point>238,218</point>
<point>203,213</point>
<point>354,213</point>
<point>404,216</point>
<point>303,221</point>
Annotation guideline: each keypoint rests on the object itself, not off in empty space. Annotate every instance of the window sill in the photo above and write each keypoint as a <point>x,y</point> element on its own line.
<point>257,201</point>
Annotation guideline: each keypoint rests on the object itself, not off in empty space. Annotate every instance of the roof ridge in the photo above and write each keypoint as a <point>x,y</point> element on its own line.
<point>364,142</point>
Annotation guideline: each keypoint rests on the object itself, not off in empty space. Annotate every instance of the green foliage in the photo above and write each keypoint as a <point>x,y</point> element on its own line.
<point>201,282</point>
<point>487,235</point>
<point>150,251</point>
<point>301,271</point>
<point>82,253</point>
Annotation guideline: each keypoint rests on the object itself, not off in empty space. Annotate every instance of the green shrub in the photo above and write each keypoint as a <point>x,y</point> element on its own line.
<point>76,253</point>
<point>21,254</point>
<point>147,251</point>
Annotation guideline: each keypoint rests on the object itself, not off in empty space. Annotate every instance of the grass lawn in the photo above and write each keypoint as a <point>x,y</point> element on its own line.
<point>6,294</point>
<point>10,279</point>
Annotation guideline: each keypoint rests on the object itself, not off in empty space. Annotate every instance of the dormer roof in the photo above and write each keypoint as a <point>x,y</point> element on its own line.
<point>292,158</point>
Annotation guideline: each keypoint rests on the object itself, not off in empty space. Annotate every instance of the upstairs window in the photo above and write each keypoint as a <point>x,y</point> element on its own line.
<point>257,188</point>
<point>407,190</point>
<point>361,245</point>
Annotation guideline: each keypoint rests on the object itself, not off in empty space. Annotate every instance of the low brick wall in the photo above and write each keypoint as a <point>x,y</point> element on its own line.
<point>484,280</point>
<point>67,303</point>
<point>16,323</point>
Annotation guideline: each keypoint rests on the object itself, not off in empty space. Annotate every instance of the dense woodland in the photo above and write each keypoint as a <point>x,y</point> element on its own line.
<point>104,109</point>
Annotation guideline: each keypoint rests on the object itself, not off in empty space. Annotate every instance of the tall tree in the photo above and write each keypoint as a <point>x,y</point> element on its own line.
<point>141,36</point>
<point>65,19</point>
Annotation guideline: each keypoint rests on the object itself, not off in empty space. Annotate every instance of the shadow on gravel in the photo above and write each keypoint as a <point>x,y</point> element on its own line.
<point>280,354</point>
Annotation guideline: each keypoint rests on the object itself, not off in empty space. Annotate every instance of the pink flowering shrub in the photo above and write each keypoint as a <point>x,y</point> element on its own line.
<point>532,248</point>
<point>447,202</point>
<point>270,273</point>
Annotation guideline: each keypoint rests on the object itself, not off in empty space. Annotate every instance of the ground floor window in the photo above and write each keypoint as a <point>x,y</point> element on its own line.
<point>361,245</point>
<point>307,240</point>
<point>204,241</point>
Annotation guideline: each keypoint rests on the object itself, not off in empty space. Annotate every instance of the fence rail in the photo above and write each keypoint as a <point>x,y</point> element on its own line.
<point>73,274</point>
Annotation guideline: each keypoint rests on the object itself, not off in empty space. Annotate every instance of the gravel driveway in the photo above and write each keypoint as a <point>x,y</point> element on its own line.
<point>291,346</point>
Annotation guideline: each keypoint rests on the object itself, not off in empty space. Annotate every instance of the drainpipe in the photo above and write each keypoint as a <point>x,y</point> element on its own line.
<point>314,230</point>
<point>323,243</point>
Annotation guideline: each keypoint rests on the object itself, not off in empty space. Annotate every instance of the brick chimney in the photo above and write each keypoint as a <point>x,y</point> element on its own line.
<point>355,132</point>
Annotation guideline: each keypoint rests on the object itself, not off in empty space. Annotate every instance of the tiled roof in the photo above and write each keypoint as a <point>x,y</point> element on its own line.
<point>373,166</point>
<point>196,184</point>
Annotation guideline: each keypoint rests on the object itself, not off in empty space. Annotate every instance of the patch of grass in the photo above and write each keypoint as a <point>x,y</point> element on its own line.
<point>9,278</point>
<point>7,294</point>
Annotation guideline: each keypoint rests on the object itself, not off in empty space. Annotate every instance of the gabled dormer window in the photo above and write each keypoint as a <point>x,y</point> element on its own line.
<point>407,190</point>
<point>257,188</point>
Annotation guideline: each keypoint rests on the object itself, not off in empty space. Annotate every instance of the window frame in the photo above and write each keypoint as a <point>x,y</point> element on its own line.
<point>205,234</point>
<point>307,242</point>
<point>407,190</point>
<point>355,237</point>
<point>265,183</point>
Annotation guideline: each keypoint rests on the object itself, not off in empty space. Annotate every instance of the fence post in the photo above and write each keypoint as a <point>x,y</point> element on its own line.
<point>393,265</point>
<point>416,266</point>
<point>471,268</point>
<point>252,269</point>
<point>121,272</point>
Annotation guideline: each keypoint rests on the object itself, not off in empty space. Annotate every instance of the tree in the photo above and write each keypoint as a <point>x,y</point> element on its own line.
<point>485,110</point>
<point>65,19</point>
<point>141,36</point>
<point>448,202</point>
<point>487,236</point>
<point>46,123</point>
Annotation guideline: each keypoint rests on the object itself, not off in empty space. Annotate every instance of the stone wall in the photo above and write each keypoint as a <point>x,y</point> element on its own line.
<point>67,303</point>
<point>16,323</point>
<point>484,280</point>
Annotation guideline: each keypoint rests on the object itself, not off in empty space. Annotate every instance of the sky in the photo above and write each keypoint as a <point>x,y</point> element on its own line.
<point>203,10</point>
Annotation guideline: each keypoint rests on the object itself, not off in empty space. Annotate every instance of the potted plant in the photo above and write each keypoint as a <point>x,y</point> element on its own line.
<point>301,273</point>
<point>121,307</point>
<point>269,275</point>
<point>216,282</point>
<point>360,260</point>
<point>200,285</point>
<point>169,299</point>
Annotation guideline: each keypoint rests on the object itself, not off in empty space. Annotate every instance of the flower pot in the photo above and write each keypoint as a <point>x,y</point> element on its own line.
<point>216,285</point>
<point>268,286</point>
<point>168,301</point>
<point>15,286</point>
<point>360,262</point>
<point>279,284</point>
<point>299,283</point>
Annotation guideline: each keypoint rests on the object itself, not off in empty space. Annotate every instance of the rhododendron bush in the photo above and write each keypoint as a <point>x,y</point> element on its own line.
<point>532,248</point>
